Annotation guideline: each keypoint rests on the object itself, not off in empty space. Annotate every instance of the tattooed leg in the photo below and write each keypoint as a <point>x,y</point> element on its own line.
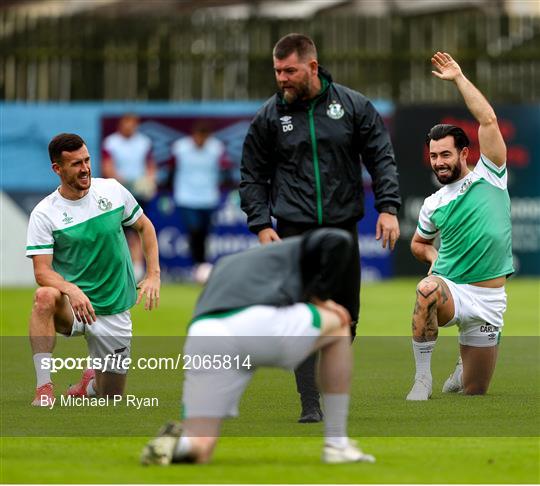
<point>434,306</point>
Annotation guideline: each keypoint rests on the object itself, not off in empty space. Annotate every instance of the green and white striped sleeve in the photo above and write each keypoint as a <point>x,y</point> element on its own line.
<point>39,240</point>
<point>425,228</point>
<point>496,176</point>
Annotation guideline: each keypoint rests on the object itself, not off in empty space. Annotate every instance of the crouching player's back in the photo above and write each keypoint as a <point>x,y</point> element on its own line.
<point>269,306</point>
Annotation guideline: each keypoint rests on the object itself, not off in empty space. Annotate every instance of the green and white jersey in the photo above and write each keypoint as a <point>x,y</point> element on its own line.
<point>87,242</point>
<point>472,216</point>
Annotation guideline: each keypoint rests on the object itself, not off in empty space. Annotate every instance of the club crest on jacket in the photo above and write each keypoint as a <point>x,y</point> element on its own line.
<point>335,110</point>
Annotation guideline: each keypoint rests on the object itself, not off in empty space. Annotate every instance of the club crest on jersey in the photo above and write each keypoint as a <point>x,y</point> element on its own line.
<point>104,204</point>
<point>67,219</point>
<point>335,110</point>
<point>286,123</point>
<point>465,186</point>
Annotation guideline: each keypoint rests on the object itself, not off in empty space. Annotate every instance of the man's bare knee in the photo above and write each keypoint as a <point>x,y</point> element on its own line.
<point>427,290</point>
<point>46,299</point>
<point>331,324</point>
<point>46,309</point>
<point>425,320</point>
<point>342,331</point>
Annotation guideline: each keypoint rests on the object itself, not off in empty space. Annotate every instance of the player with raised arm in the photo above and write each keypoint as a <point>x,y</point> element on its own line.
<point>84,271</point>
<point>471,213</point>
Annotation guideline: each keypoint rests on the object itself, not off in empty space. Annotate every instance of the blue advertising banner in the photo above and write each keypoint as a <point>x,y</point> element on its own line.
<point>26,130</point>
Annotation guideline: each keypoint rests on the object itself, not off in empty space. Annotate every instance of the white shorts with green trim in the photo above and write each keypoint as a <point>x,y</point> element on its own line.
<point>478,313</point>
<point>107,336</point>
<point>233,345</point>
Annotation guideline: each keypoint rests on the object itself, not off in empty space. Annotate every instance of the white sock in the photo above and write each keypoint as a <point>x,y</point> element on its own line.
<point>183,448</point>
<point>90,390</point>
<point>43,375</point>
<point>336,410</point>
<point>422,357</point>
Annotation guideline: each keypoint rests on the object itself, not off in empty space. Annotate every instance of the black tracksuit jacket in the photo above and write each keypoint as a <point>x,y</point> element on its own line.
<point>301,161</point>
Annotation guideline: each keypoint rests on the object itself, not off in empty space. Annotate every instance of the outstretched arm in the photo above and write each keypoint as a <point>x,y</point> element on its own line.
<point>489,136</point>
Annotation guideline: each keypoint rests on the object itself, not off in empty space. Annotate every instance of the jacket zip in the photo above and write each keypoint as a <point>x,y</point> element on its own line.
<point>315,163</point>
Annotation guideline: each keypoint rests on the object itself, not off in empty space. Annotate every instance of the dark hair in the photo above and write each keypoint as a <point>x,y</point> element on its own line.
<point>64,142</point>
<point>291,43</point>
<point>442,130</point>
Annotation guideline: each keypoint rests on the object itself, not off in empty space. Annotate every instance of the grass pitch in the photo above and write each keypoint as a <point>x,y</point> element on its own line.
<point>450,439</point>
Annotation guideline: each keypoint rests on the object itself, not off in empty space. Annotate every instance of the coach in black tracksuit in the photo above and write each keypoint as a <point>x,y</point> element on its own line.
<point>301,164</point>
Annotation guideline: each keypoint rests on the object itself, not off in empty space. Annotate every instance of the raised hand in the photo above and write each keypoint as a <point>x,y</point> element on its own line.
<point>447,68</point>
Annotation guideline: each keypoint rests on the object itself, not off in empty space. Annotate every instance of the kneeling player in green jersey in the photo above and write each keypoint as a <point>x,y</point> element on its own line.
<point>471,213</point>
<point>83,267</point>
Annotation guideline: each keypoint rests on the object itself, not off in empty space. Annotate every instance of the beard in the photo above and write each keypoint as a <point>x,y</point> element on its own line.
<point>453,174</point>
<point>81,184</point>
<point>292,93</point>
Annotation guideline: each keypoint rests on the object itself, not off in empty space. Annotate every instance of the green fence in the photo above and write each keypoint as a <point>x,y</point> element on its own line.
<point>202,57</point>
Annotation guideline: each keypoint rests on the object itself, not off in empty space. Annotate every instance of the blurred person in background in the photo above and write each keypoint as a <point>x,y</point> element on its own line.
<point>199,161</point>
<point>301,163</point>
<point>127,157</point>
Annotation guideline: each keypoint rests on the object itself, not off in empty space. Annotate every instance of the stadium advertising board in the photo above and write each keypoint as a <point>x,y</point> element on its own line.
<point>520,126</point>
<point>229,233</point>
<point>33,125</point>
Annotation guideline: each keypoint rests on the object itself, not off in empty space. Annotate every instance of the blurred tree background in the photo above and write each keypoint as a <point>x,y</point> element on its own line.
<point>221,50</point>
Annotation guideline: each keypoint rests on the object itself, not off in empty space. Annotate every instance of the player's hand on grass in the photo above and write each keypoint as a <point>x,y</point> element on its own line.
<point>268,235</point>
<point>149,289</point>
<point>387,228</point>
<point>446,67</point>
<point>81,305</point>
